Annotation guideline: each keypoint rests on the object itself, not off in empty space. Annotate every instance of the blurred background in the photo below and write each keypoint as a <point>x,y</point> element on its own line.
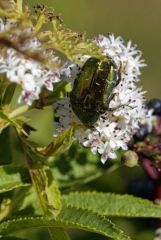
<point>139,21</point>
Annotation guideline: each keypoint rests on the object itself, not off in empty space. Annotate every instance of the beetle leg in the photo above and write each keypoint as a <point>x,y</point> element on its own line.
<point>120,106</point>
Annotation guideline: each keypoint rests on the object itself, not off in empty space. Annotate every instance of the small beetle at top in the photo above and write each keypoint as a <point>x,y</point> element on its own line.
<point>92,90</point>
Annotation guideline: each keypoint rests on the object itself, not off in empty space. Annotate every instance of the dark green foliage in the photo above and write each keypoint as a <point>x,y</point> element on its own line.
<point>5,149</point>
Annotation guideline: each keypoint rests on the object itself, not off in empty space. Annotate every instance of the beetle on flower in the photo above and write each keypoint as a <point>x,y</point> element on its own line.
<point>112,128</point>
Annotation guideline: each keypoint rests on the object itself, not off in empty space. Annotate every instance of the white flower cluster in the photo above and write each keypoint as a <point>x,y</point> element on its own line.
<point>27,72</point>
<point>115,128</point>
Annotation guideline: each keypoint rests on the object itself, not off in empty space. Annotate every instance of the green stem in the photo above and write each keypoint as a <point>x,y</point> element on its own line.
<point>18,111</point>
<point>113,168</point>
<point>19,5</point>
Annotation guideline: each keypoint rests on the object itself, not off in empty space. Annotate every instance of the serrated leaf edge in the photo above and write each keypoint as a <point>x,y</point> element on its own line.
<point>139,200</point>
<point>70,224</point>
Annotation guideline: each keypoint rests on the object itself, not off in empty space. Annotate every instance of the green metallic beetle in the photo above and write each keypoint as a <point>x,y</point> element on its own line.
<point>92,89</point>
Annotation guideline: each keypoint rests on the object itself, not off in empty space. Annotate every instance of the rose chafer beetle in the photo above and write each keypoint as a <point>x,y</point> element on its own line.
<point>92,90</point>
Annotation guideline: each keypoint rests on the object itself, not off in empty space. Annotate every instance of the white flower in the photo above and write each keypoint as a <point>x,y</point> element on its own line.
<point>70,71</point>
<point>29,73</point>
<point>127,110</point>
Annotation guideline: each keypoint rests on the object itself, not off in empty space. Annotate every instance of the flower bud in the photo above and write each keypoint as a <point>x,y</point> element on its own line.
<point>130,158</point>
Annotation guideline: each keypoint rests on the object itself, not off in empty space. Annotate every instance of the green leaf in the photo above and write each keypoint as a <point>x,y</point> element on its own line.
<point>54,197</point>
<point>24,202</point>
<point>12,177</point>
<point>9,92</point>
<point>47,98</point>
<point>6,90</point>
<point>69,217</point>
<point>108,204</point>
<point>58,234</point>
<point>12,238</point>
<point>3,122</point>
<point>60,144</point>
<point>90,221</point>
<point>46,188</point>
